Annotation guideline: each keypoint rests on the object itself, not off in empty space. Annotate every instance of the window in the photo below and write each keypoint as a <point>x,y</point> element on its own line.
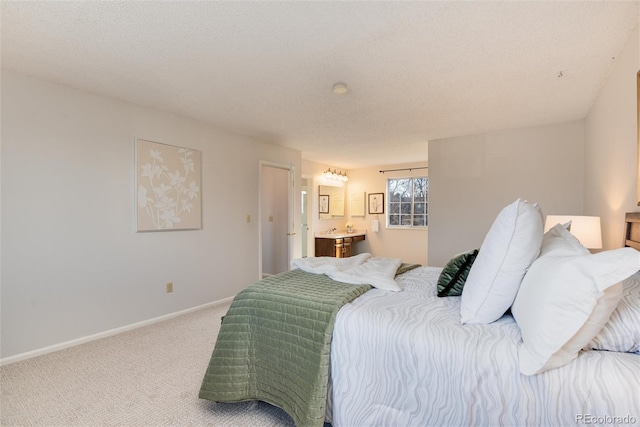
<point>408,200</point>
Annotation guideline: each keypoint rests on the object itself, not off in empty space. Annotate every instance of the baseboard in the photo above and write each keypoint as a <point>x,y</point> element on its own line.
<point>78,341</point>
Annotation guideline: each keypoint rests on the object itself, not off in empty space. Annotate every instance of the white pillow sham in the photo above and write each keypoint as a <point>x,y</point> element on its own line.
<point>622,332</point>
<point>565,299</point>
<point>509,248</point>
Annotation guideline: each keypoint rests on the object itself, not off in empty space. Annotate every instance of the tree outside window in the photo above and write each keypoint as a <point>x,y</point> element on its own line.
<point>408,202</point>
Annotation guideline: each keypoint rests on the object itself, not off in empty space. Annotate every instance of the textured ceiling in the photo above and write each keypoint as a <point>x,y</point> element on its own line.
<point>416,70</point>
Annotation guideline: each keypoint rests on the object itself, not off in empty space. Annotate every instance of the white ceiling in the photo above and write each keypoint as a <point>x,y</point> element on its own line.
<point>416,70</point>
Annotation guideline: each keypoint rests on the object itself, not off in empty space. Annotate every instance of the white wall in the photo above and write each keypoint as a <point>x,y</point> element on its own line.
<point>408,244</point>
<point>72,266</point>
<point>472,178</point>
<point>610,147</point>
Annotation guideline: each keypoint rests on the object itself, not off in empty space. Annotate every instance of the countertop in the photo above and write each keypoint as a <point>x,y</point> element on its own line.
<point>339,234</point>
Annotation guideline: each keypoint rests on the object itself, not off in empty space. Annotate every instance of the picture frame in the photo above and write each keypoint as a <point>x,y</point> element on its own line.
<point>323,203</point>
<point>376,203</point>
<point>168,183</point>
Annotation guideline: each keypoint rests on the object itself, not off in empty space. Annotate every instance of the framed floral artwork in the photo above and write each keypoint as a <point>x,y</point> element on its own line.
<point>323,203</point>
<point>168,187</point>
<point>376,203</point>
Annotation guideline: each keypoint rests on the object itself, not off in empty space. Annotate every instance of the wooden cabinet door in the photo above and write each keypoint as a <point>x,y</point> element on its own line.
<point>325,247</point>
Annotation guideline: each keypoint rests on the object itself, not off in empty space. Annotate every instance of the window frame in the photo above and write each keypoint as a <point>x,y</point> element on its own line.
<point>389,201</point>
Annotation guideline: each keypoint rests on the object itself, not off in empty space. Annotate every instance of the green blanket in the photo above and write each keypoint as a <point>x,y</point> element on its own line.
<point>274,344</point>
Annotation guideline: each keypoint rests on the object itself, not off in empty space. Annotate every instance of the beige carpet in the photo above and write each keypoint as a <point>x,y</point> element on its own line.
<point>146,377</point>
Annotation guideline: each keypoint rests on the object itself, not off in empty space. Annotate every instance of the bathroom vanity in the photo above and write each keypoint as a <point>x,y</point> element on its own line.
<point>337,244</point>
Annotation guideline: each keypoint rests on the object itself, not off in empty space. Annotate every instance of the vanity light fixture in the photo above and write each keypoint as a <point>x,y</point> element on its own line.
<point>338,176</point>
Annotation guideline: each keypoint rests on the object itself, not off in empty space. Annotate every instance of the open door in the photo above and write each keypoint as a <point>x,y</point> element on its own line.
<point>276,218</point>
<point>304,218</point>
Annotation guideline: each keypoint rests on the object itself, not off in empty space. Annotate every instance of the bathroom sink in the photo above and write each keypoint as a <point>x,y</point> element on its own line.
<point>339,234</point>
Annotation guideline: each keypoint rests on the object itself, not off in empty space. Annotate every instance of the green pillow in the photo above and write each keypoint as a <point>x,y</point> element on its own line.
<point>404,267</point>
<point>454,274</point>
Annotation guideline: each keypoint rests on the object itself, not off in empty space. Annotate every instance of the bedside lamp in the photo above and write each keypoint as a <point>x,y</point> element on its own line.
<point>585,228</point>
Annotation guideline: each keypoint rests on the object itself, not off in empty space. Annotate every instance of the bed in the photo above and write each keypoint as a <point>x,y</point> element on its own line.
<point>409,362</point>
<point>405,359</point>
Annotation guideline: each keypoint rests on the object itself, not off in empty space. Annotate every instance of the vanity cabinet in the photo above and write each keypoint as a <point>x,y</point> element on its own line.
<point>339,247</point>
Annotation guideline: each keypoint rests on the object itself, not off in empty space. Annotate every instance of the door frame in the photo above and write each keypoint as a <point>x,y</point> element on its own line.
<point>311,195</point>
<point>290,215</point>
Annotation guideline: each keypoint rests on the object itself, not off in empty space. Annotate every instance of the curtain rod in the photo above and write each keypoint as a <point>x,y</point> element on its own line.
<point>405,169</point>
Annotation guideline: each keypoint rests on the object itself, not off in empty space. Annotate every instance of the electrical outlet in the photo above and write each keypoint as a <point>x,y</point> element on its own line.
<point>169,287</point>
<point>270,218</point>
<point>248,219</point>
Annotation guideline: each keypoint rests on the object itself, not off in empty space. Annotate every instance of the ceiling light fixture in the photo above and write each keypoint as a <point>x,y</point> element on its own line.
<point>340,88</point>
<point>338,176</point>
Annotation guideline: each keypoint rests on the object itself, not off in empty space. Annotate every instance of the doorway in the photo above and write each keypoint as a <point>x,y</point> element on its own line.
<point>276,207</point>
<point>304,219</point>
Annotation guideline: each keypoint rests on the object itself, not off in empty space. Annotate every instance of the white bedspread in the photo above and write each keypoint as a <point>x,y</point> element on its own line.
<point>404,359</point>
<point>362,269</point>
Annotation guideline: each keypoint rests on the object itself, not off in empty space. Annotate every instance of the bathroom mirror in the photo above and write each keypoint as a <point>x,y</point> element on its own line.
<point>335,201</point>
<point>356,208</point>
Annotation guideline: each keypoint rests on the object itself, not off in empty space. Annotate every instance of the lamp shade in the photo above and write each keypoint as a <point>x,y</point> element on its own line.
<point>585,228</point>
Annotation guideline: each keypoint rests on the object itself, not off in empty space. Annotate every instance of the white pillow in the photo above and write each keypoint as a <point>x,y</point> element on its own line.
<point>566,297</point>
<point>509,248</point>
<point>561,243</point>
<point>622,332</point>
